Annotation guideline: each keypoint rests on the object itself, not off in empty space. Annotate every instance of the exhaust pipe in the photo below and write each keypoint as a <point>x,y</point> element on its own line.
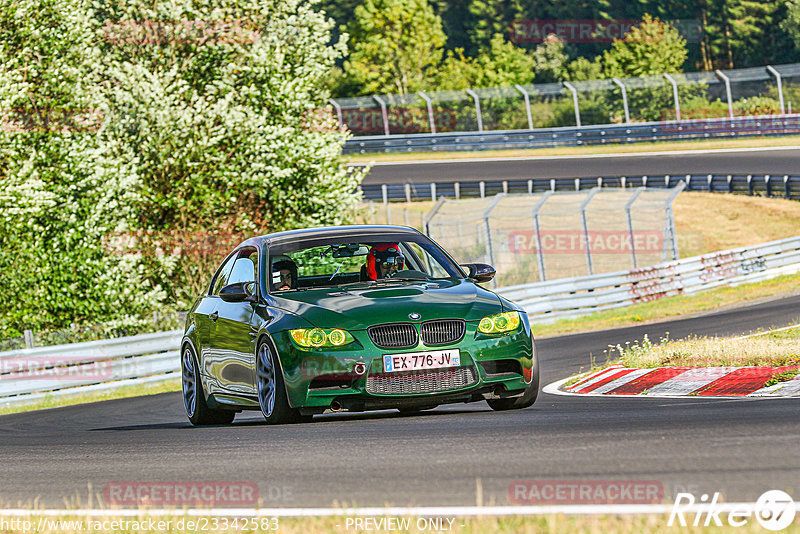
<point>336,406</point>
<point>360,368</point>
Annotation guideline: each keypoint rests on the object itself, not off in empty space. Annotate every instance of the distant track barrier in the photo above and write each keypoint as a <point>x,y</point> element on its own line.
<point>63,371</point>
<point>751,126</point>
<point>571,297</point>
<point>786,186</point>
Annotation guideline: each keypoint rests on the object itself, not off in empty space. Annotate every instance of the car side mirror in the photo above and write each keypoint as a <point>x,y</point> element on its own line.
<point>238,292</point>
<point>480,272</point>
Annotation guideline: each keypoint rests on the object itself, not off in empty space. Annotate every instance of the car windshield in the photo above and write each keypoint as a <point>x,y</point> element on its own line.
<point>350,262</point>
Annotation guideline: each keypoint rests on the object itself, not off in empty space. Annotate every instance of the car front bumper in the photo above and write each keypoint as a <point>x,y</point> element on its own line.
<point>491,367</point>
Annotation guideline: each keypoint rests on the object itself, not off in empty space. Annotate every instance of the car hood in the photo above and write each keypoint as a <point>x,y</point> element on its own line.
<point>359,307</point>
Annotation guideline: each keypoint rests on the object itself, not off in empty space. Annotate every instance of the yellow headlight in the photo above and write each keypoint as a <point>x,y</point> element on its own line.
<point>499,323</point>
<point>317,337</point>
<point>337,337</point>
<point>321,337</point>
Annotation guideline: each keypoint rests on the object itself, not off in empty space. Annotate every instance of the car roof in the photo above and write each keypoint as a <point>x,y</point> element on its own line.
<point>331,231</point>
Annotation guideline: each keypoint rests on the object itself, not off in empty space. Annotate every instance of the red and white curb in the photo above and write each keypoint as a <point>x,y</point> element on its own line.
<point>681,382</point>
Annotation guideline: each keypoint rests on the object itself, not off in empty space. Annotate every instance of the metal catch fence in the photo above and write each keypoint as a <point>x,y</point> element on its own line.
<point>547,235</point>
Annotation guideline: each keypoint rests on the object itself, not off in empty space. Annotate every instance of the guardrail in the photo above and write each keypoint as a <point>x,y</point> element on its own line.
<point>572,297</point>
<point>761,125</point>
<point>62,371</point>
<point>786,186</point>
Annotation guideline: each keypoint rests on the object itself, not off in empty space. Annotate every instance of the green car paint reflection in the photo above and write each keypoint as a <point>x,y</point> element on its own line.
<point>325,342</point>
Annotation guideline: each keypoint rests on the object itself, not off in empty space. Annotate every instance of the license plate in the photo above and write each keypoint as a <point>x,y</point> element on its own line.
<point>415,361</point>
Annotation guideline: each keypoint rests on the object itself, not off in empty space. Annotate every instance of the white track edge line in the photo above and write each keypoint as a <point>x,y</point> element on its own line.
<point>459,511</point>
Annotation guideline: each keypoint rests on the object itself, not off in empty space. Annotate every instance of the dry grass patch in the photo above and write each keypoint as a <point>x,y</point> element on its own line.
<point>757,351</point>
<point>704,221</point>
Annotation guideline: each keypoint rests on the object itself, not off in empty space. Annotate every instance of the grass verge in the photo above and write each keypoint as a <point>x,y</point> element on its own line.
<point>668,307</point>
<point>606,524</point>
<point>756,142</point>
<point>122,393</point>
<point>766,350</point>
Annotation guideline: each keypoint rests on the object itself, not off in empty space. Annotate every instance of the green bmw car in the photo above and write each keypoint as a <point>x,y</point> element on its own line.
<point>351,318</point>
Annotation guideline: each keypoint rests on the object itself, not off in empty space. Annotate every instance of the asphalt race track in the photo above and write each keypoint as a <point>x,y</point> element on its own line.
<point>778,161</point>
<point>740,448</point>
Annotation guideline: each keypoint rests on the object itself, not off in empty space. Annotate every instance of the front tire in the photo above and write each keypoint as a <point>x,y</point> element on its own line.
<point>271,390</point>
<point>528,397</point>
<point>194,399</point>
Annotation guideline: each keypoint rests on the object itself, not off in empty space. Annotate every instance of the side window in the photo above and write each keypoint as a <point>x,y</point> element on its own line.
<point>222,276</point>
<point>431,266</point>
<point>244,269</point>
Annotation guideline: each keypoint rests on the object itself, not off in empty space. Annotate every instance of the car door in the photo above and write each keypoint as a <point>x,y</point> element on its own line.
<point>205,316</point>
<point>232,336</point>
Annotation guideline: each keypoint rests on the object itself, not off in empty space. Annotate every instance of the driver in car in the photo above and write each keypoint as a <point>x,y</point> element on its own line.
<point>384,260</point>
<point>284,273</point>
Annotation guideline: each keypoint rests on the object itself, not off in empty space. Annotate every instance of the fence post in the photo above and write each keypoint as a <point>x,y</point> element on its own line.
<point>624,98</point>
<point>750,184</point>
<point>674,84</point>
<point>585,223</point>
<point>530,187</point>
<point>786,185</point>
<point>457,190</point>
<point>384,113</point>
<point>768,185</point>
<point>670,225</point>
<point>28,334</point>
<point>727,81</point>
<point>629,219</point>
<point>338,109</point>
<point>527,104</point>
<point>385,195</point>
<point>730,184</point>
<point>426,218</point>
<point>489,246</point>
<point>433,192</point>
<point>477,100</point>
<point>407,188</point>
<point>779,81</point>
<point>431,121</point>
<point>574,102</point>
<point>538,233</point>
<point>577,184</point>
<point>482,186</point>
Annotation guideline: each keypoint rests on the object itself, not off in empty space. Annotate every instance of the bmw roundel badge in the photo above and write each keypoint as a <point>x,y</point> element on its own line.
<point>414,316</point>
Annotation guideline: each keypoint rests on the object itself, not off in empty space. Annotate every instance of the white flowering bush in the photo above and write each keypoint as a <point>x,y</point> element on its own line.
<point>133,134</point>
<point>225,111</point>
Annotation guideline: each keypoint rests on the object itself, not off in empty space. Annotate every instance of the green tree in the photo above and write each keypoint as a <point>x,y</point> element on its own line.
<point>550,60</point>
<point>225,113</point>
<point>653,47</point>
<point>396,45</point>
<point>489,18</point>
<point>63,192</point>
<point>502,64</point>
